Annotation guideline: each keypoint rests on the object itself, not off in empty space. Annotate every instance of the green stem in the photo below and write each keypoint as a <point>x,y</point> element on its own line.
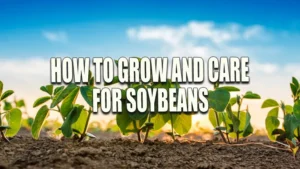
<point>86,125</point>
<point>148,129</point>
<point>238,116</point>
<point>218,125</point>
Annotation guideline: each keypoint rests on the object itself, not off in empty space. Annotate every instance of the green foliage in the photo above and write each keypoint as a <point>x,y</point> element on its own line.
<point>229,123</point>
<point>63,100</point>
<point>291,119</point>
<point>14,118</point>
<point>9,114</point>
<point>39,121</point>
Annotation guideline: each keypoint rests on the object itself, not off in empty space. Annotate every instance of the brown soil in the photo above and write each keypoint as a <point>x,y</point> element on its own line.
<point>24,152</point>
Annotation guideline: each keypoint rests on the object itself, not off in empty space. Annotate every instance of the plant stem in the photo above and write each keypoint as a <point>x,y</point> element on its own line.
<point>218,125</point>
<point>148,128</point>
<point>238,116</point>
<point>86,125</point>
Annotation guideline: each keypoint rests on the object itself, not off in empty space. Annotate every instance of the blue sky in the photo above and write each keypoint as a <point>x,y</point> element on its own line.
<point>268,32</point>
<point>96,28</point>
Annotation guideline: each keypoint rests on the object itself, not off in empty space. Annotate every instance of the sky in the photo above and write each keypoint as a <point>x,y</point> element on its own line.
<point>268,32</point>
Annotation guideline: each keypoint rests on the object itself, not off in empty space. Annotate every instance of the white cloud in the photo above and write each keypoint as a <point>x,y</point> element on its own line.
<point>56,36</point>
<point>206,39</point>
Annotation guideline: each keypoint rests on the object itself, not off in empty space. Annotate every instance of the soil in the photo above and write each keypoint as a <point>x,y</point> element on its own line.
<point>24,152</point>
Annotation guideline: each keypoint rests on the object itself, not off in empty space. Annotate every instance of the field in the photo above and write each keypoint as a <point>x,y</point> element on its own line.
<point>110,150</point>
<point>79,143</point>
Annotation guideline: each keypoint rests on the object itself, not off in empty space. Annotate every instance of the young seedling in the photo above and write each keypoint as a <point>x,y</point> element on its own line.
<point>13,116</point>
<point>138,122</point>
<point>291,119</point>
<point>63,100</point>
<point>235,123</point>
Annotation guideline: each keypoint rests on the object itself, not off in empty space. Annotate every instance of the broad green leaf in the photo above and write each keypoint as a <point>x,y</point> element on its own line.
<point>6,94</point>
<point>69,101</point>
<point>14,118</point>
<point>272,123</point>
<point>218,99</point>
<point>87,94</point>
<point>230,88</point>
<point>1,88</point>
<point>159,120</point>
<point>114,81</point>
<point>182,123</point>
<point>290,124</point>
<point>296,109</point>
<point>41,100</point>
<point>269,103</point>
<point>39,121</point>
<point>80,123</point>
<point>72,117</point>
<point>213,119</point>
<point>251,95</point>
<point>58,98</point>
<point>48,89</point>
<point>58,89</point>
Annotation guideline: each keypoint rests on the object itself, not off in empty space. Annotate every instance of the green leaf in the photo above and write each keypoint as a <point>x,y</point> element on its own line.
<point>269,103</point>
<point>290,124</point>
<point>58,98</point>
<point>87,94</point>
<point>230,88</point>
<point>233,118</point>
<point>80,123</point>
<point>39,120</point>
<point>48,89</point>
<point>289,109</point>
<point>138,115</point>
<point>20,103</point>
<point>218,99</point>
<point>213,119</point>
<point>41,100</point>
<point>159,120</point>
<point>14,118</point>
<point>296,109</point>
<point>6,94</point>
<point>293,89</point>
<point>114,81</point>
<point>232,101</point>
<point>92,81</point>
<point>69,101</point>
<point>58,89</point>
<point>272,123</point>
<point>1,88</point>
<point>182,123</point>
<point>295,82</point>
<point>7,106</point>
<point>251,95</point>
<point>126,124</point>
<point>72,117</point>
